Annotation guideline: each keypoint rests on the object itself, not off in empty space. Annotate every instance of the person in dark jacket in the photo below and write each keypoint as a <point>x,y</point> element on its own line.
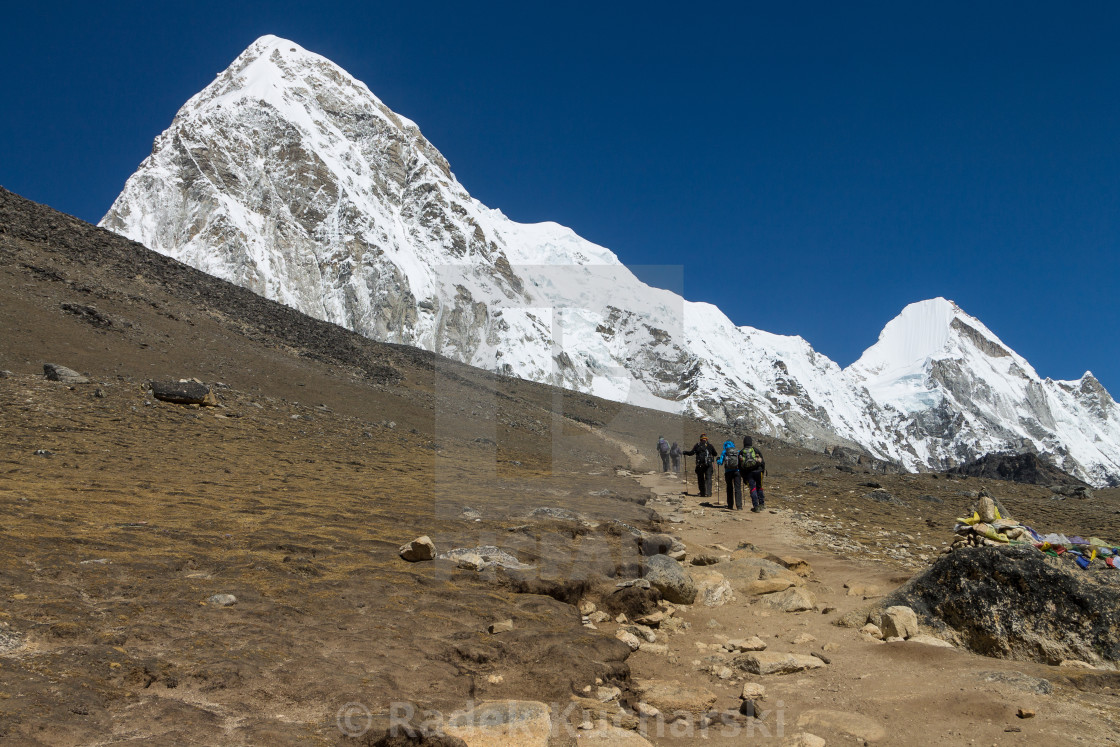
<point>750,455</point>
<point>734,481</point>
<point>663,451</point>
<point>705,455</point>
<point>675,455</point>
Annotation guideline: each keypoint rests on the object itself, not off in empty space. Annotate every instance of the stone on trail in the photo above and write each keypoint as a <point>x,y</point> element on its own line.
<point>525,723</point>
<point>790,600</point>
<point>846,722</point>
<point>895,622</point>
<point>670,696</point>
<point>803,739</point>
<point>929,640</point>
<point>803,639</point>
<point>629,639</point>
<point>713,590</point>
<point>418,549</point>
<point>607,693</point>
<point>767,586</point>
<point>754,643</point>
<point>55,372</point>
<point>612,736</point>
<point>797,565</point>
<point>775,662</point>
<point>871,629</point>
<point>753,691</point>
<point>670,578</point>
<point>863,590</point>
<point>655,648</point>
<point>223,600</point>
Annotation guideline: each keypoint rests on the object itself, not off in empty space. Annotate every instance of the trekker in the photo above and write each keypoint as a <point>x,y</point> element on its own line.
<point>705,454</point>
<point>663,450</point>
<point>730,461</point>
<point>751,465</point>
<point>675,455</point>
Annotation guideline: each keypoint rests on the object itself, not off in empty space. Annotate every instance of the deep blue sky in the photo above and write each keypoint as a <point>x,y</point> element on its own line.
<point>850,157</point>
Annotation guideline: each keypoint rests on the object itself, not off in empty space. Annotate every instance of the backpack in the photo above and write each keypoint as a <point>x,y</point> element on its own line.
<point>703,457</point>
<point>750,460</point>
<point>732,460</point>
<point>663,446</point>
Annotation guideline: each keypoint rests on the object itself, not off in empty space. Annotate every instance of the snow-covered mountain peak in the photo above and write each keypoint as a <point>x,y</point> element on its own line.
<point>926,331</point>
<point>286,175</point>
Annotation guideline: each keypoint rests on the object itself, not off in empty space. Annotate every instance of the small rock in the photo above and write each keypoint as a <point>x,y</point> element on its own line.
<point>586,607</point>
<point>767,662</point>
<point>55,372</point>
<point>645,710</point>
<point>655,648</point>
<point>222,600</point>
<point>748,708</point>
<point>790,600</point>
<point>754,643</point>
<point>872,630</point>
<point>418,549</point>
<point>753,691</point>
<point>897,621</point>
<point>598,617</point>
<point>1024,713</point>
<point>608,693</point>
<point>804,638</point>
<point>863,590</point>
<point>502,626</point>
<point>803,739</point>
<point>929,640</point>
<point>495,679</point>
<point>767,586</point>
<point>629,639</point>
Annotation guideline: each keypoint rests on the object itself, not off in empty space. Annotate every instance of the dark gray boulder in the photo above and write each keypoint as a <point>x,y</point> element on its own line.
<point>55,372</point>
<point>670,578</point>
<point>1018,603</point>
<point>183,392</point>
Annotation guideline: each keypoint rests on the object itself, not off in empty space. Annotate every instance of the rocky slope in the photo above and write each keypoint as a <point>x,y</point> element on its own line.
<point>289,177</point>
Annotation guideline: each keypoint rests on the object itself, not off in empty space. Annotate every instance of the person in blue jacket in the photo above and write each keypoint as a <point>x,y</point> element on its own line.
<point>734,481</point>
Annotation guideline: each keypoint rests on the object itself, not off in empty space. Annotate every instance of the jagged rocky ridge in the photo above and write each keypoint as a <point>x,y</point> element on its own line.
<point>289,177</point>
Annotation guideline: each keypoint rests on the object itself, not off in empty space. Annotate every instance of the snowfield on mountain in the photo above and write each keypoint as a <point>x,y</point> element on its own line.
<point>289,177</point>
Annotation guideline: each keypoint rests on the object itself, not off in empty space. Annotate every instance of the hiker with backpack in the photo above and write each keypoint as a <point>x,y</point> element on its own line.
<point>675,455</point>
<point>751,465</point>
<point>730,459</point>
<point>705,454</point>
<point>663,451</point>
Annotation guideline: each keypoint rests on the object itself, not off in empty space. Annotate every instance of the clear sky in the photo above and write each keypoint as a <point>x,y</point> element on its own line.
<point>849,157</point>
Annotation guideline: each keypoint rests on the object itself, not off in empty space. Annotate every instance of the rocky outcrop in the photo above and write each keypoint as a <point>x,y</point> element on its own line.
<point>1025,468</point>
<point>1017,603</point>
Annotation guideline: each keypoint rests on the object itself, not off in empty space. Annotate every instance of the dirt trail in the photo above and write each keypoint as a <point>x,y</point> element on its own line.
<point>873,692</point>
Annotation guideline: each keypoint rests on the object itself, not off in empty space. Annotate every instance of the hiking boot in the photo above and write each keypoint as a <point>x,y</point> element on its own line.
<point>755,509</point>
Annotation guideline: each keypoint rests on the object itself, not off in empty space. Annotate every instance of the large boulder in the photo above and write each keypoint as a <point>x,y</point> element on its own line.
<point>55,372</point>
<point>670,578</point>
<point>1018,603</point>
<point>184,392</point>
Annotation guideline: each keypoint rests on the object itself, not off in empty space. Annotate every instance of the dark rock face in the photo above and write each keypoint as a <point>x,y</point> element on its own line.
<point>1018,603</point>
<point>1024,468</point>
